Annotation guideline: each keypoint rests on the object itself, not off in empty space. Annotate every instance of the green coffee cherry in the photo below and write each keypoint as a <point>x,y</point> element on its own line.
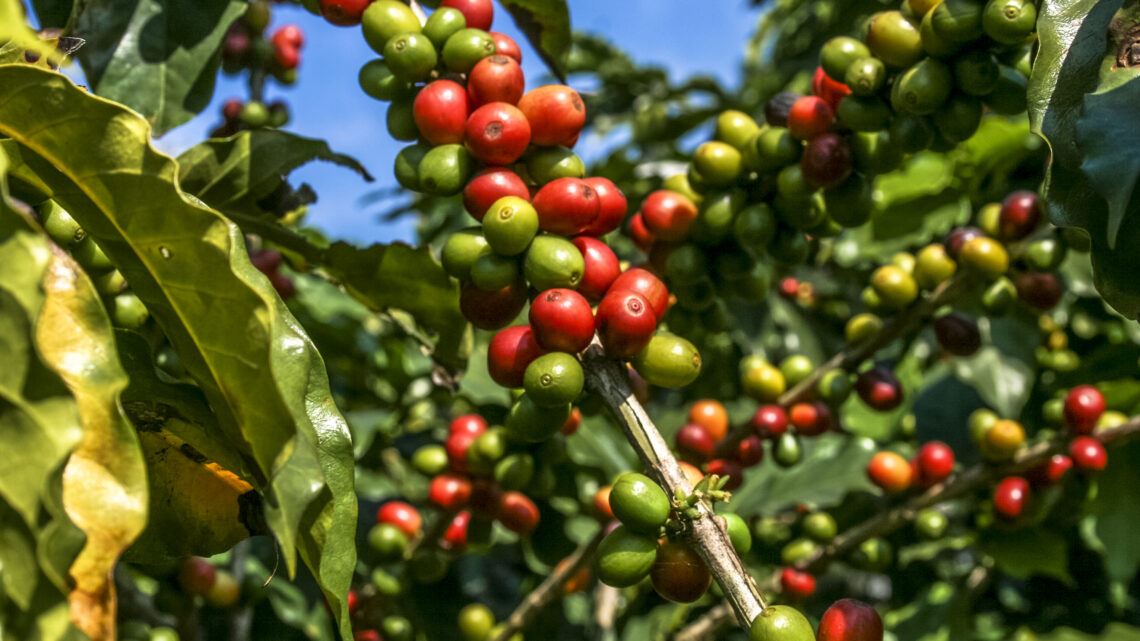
<point>839,53</point>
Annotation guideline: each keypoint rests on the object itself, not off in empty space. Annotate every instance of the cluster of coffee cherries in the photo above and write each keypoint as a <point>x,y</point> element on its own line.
<point>123,306</point>
<point>702,440</point>
<point>844,620</point>
<point>635,547</point>
<point>197,581</point>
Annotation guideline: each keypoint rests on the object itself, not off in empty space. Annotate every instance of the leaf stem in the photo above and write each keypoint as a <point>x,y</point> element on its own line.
<point>608,378</point>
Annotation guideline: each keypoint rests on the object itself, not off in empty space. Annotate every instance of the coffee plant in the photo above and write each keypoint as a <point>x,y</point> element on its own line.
<point>847,352</point>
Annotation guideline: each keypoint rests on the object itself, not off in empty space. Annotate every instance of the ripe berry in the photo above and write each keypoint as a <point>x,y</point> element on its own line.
<point>509,353</point>
<point>890,472</point>
<point>572,423</point>
<point>731,469</point>
<point>497,78</point>
<point>1084,406</point>
<point>778,107</point>
<point>1010,497</point>
<point>797,584</point>
<point>197,575</point>
<point>750,450</point>
<point>678,573</point>
<point>490,185</point>
<point>457,445</point>
<point>668,215</point>
<point>641,281</point>
<point>625,323</point>
<point>556,114</point>
<point>694,442</point>
<point>343,13</point>
<point>957,334</point>
<point>850,620</point>
<point>879,389</point>
<point>518,513</point>
<point>440,110</point>
<point>496,133</point>
<point>602,503</point>
<point>712,415</point>
<point>639,233</point>
<point>402,515</point>
<point>566,206</point>
<point>1019,216</point>
<point>1040,291</point>
<point>611,210</point>
<point>1052,471</point>
<point>491,310</point>
<point>809,117</point>
<point>601,267</point>
<point>1088,454</point>
<point>770,421</point>
<point>832,91</point>
<point>827,161</point>
<point>935,463</point>
<point>455,536</point>
<point>506,46</point>
<point>562,320</point>
<point>810,419</point>
<point>449,491</point>
<point>479,13</point>
<point>958,237</point>
<point>469,424</point>
<point>287,57</point>
<point>231,110</point>
<point>289,34</point>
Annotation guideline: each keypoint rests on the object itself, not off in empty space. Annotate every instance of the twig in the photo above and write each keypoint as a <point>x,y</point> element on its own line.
<point>242,619</point>
<point>606,599</point>
<point>708,626</point>
<point>608,379</point>
<point>550,589</point>
<point>850,359</point>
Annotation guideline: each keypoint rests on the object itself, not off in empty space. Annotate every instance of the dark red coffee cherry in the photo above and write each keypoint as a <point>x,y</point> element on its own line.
<point>496,133</point>
<point>1083,407</point>
<point>490,185</point>
<point>850,620</point>
<point>750,450</point>
<point>612,207</point>
<point>601,267</point>
<point>731,469</point>
<point>566,206</point>
<point>778,106</point>
<point>1019,216</point>
<point>509,353</point>
<point>440,111</point>
<point>518,513</point>
<point>1039,290</point>
<point>494,309</point>
<point>1010,497</point>
<point>1088,454</point>
<point>958,237</point>
<point>958,334</point>
<point>770,421</point>
<point>695,443</point>
<point>641,281</point>
<point>562,320</point>
<point>625,322</point>
<point>343,13</point>
<point>826,161</point>
<point>879,389</point>
<point>497,78</point>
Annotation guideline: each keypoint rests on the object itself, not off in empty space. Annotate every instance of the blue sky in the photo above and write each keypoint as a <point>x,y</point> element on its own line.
<point>685,36</point>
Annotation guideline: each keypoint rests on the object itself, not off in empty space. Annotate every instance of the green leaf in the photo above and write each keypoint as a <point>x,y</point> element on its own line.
<point>233,174</point>
<point>546,24</point>
<point>17,36</point>
<point>258,369</point>
<point>599,443</point>
<point>1029,552</point>
<point>1003,370</point>
<point>939,613</point>
<point>52,13</point>
<point>832,466</point>
<point>158,57</point>
<point>1110,169</point>
<point>1111,632</point>
<point>1116,507</point>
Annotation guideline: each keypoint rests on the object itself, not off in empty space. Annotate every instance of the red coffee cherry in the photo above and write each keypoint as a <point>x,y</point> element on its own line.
<point>827,161</point>
<point>289,35</point>
<point>796,584</point>
<point>366,635</point>
<point>602,507</point>
<point>750,450</point>
<point>1050,472</point>
<point>402,515</point>
<point>566,206</point>
<point>518,513</point>
<point>497,78</point>
<point>556,114</point>
<point>1088,454</point>
<point>731,469</point>
<point>485,497</point>
<point>958,334</point>
<point>455,536</point>
<point>1010,497</point>
<point>890,472</point>
<point>440,111</point>
<point>1039,290</point>
<point>770,421</point>
<point>639,233</point>
<point>641,281</point>
<point>231,110</point>
<point>832,91</point>
<point>625,323</point>
<point>496,133</point>
<point>809,117</point>
<point>506,46</point>
<point>490,185</point>
<point>573,422</point>
<point>343,13</point>
<point>810,419</point>
<point>197,575</point>
<point>612,207</point>
<point>1019,216</point>
<point>479,13</point>
<point>958,237</point>
<point>935,463</point>
<point>562,320</point>
<point>850,620</point>
<point>509,353</point>
<point>236,44</point>
<point>491,310</point>
<point>668,215</point>
<point>879,389</point>
<point>449,491</point>
<point>287,57</point>
<point>352,601</point>
<point>694,442</point>
<point>469,424</point>
<point>601,267</point>
<point>456,446</point>
<point>1083,406</point>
